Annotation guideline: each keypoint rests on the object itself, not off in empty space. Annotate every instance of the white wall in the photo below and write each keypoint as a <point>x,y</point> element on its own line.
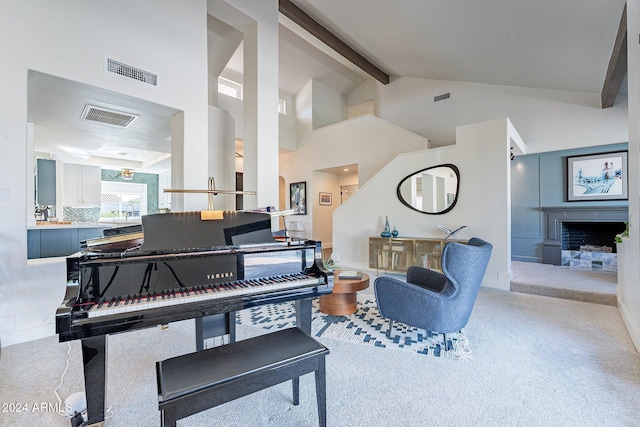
<point>363,93</point>
<point>548,120</point>
<point>347,179</point>
<point>629,268</point>
<point>304,110</point>
<point>234,107</point>
<point>482,155</point>
<point>365,140</point>
<point>317,106</point>
<point>323,214</point>
<point>329,106</point>
<point>287,133</point>
<point>71,39</point>
<point>287,122</point>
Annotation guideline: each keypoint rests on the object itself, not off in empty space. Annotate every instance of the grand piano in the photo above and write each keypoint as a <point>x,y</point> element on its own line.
<point>180,266</point>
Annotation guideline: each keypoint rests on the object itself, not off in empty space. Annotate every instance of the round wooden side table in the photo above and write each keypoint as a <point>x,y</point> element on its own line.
<point>343,299</point>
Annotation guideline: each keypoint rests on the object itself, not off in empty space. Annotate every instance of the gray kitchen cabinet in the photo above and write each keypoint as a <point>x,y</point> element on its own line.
<point>60,242</point>
<point>33,244</point>
<point>45,182</point>
<point>45,243</point>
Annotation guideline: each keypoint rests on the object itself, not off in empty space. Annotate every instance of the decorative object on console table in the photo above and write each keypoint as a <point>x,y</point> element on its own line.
<point>387,230</point>
<point>394,233</point>
<point>449,232</point>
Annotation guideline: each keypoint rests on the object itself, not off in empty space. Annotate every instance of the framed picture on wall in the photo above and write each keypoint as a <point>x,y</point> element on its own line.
<point>325,199</point>
<point>597,177</point>
<point>298,196</point>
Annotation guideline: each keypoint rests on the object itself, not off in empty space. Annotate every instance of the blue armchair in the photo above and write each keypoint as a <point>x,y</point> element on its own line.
<point>437,302</point>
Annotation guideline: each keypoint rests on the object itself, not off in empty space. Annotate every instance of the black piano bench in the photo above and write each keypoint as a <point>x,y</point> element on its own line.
<point>198,381</point>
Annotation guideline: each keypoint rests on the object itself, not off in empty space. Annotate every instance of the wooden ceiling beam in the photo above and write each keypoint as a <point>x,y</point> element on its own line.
<point>617,69</point>
<point>297,15</point>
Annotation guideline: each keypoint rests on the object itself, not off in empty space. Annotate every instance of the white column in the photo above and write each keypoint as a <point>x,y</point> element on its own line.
<point>258,21</point>
<point>222,156</point>
<point>260,109</point>
<point>177,161</point>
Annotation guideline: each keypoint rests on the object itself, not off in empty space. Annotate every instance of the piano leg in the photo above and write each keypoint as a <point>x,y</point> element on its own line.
<point>94,360</point>
<point>303,315</point>
<point>215,326</point>
<point>303,321</point>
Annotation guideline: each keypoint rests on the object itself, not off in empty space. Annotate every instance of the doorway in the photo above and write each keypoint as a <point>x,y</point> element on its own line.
<point>347,191</point>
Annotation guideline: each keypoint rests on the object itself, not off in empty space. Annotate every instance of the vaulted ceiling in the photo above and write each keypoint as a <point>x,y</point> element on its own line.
<point>564,45</point>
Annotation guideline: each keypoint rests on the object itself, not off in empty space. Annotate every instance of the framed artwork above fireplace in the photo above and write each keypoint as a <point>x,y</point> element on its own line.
<point>597,177</point>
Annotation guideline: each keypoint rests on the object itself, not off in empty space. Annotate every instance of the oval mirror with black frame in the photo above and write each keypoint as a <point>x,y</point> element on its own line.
<point>432,191</point>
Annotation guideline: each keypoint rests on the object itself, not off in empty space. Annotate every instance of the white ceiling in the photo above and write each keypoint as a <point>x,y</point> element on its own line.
<point>300,62</point>
<point>55,106</point>
<point>555,44</point>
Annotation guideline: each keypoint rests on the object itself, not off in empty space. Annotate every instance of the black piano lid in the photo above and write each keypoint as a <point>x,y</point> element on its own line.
<point>187,230</point>
<point>184,231</point>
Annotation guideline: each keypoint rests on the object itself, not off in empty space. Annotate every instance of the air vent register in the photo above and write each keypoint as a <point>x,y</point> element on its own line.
<point>131,72</point>
<point>107,116</point>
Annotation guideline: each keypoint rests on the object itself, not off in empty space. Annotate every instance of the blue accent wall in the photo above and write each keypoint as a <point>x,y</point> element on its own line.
<point>539,181</point>
<point>139,178</point>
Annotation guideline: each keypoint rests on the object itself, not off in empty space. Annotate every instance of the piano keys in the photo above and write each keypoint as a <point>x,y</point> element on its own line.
<point>123,306</point>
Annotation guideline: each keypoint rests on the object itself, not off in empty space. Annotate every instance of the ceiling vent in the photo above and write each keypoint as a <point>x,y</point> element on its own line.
<point>131,72</point>
<point>106,116</point>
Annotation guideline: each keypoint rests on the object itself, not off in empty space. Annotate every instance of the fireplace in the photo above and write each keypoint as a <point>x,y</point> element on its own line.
<point>579,234</point>
<point>582,234</point>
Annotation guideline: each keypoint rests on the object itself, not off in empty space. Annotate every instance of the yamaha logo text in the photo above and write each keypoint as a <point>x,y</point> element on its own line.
<point>213,276</point>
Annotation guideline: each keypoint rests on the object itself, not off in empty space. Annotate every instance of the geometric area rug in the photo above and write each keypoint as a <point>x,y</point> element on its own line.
<point>365,327</point>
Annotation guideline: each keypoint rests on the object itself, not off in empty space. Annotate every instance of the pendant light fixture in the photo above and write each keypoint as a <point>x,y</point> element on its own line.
<point>127,174</point>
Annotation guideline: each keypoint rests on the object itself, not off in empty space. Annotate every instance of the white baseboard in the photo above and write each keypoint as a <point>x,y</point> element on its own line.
<point>633,328</point>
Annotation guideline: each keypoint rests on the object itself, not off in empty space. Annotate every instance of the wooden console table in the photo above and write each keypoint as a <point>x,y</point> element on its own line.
<point>343,299</point>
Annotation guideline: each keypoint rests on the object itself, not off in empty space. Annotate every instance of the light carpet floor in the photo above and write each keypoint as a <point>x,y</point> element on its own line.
<point>538,361</point>
<point>562,282</point>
